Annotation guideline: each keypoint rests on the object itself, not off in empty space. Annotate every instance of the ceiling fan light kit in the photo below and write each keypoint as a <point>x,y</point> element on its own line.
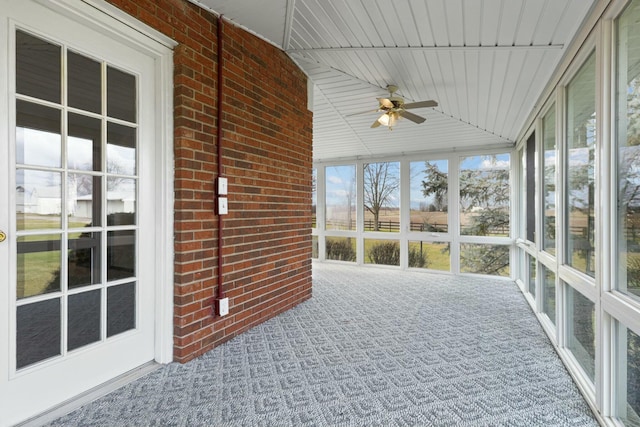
<point>388,119</point>
<point>394,108</point>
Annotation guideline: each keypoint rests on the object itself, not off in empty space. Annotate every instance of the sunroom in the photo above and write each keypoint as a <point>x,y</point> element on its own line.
<point>535,181</point>
<point>474,139</point>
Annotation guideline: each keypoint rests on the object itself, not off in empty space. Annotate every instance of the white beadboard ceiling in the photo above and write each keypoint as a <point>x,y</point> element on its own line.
<point>486,62</point>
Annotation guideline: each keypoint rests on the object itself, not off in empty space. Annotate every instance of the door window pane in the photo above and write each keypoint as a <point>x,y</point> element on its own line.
<point>38,140</point>
<point>430,196</point>
<point>84,319</point>
<point>121,149</point>
<point>83,200</point>
<point>340,203</point>
<point>386,252</point>
<point>121,95</point>
<point>340,248</point>
<point>121,201</point>
<point>37,332</point>
<point>84,143</point>
<point>431,255</point>
<point>121,308</point>
<point>484,259</point>
<point>84,77</point>
<point>121,254</point>
<point>83,259</point>
<point>38,200</point>
<point>628,148</point>
<point>549,182</point>
<point>382,196</point>
<point>580,167</point>
<point>38,68</point>
<point>38,265</point>
<point>581,330</point>
<point>484,195</point>
<point>548,293</point>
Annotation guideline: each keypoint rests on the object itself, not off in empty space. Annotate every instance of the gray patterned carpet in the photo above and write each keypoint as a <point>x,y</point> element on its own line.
<point>373,347</point>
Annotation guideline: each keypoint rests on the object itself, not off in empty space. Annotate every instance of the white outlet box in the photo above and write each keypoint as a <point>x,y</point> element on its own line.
<point>223,306</point>
<point>223,206</point>
<point>222,186</point>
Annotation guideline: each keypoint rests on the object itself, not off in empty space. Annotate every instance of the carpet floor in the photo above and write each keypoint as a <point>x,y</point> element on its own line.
<point>373,347</point>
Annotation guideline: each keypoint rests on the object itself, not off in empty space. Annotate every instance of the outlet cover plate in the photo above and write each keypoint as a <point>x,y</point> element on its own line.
<point>222,186</point>
<point>223,207</point>
<point>223,306</point>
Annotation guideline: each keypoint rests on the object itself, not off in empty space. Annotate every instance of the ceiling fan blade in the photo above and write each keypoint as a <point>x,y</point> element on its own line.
<point>413,117</point>
<point>375,124</point>
<point>386,103</point>
<point>421,104</point>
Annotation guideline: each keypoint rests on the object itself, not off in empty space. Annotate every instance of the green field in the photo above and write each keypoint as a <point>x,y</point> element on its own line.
<point>37,270</point>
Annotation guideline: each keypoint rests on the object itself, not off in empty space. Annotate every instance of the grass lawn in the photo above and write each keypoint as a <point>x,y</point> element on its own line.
<point>35,270</point>
<point>437,254</point>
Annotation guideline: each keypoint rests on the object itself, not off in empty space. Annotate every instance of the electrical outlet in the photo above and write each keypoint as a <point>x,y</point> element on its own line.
<point>223,207</point>
<point>223,306</point>
<point>222,186</point>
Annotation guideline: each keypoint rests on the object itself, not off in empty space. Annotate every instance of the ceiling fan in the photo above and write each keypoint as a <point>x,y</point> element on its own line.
<point>394,108</point>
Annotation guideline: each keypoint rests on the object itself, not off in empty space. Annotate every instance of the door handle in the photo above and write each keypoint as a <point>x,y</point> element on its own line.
<point>3,236</point>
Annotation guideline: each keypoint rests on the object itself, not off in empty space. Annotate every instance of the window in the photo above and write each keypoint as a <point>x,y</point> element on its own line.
<point>314,247</point>
<point>581,330</point>
<point>314,197</point>
<point>628,150</point>
<point>532,275</point>
<point>484,195</point>
<point>429,196</point>
<point>484,210</point>
<point>531,188</point>
<point>382,196</point>
<point>340,201</point>
<point>385,252</point>
<point>627,375</point>
<point>548,293</point>
<point>341,248</point>
<point>580,169</point>
<point>431,255</point>
<point>484,259</point>
<point>549,182</point>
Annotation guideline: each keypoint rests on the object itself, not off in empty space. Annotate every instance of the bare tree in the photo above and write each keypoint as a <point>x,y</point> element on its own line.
<point>380,185</point>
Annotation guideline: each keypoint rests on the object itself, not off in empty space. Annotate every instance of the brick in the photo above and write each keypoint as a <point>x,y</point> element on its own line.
<point>267,157</point>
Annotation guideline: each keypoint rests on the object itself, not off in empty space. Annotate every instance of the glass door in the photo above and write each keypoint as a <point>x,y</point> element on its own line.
<point>80,217</point>
<point>75,210</point>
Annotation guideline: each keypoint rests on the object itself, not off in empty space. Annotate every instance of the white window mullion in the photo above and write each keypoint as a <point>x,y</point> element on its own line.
<point>321,204</point>
<point>64,237</point>
<point>454,212</point>
<point>359,212</point>
<point>561,172</point>
<point>405,212</point>
<point>604,188</point>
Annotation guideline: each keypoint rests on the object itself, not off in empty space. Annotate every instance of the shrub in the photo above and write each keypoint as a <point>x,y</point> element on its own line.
<point>633,274</point>
<point>387,253</point>
<point>417,259</point>
<point>340,249</point>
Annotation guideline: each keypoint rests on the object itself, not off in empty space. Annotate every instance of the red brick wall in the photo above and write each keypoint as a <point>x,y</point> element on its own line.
<point>267,158</point>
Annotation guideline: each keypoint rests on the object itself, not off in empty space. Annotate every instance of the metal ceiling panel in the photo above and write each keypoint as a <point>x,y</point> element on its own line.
<point>485,62</point>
